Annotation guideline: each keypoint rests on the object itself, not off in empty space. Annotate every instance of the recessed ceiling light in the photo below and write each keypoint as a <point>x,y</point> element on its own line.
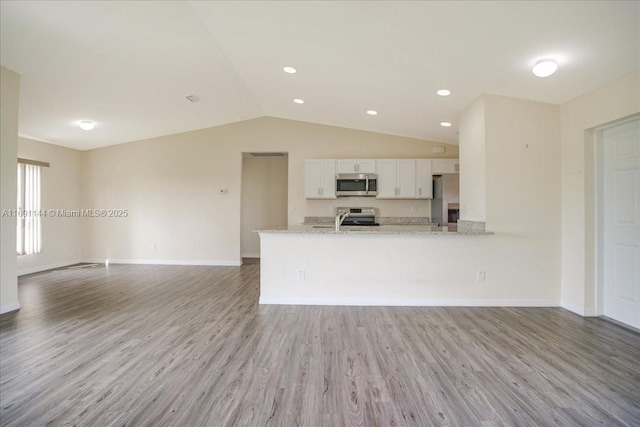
<point>545,67</point>
<point>372,112</point>
<point>289,70</point>
<point>444,92</point>
<point>86,125</point>
<point>298,101</point>
<point>445,124</point>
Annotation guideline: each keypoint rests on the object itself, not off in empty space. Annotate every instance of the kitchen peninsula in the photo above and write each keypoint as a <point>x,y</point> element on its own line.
<point>386,265</point>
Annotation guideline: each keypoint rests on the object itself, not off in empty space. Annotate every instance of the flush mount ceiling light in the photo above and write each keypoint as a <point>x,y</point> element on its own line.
<point>289,70</point>
<point>545,67</point>
<point>445,124</point>
<point>298,101</point>
<point>372,112</point>
<point>86,125</point>
<point>444,92</point>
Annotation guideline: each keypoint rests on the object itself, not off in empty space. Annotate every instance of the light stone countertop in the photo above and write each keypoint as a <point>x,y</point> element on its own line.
<point>382,220</point>
<point>380,230</point>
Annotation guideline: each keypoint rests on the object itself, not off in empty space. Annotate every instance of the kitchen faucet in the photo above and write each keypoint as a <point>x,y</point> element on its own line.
<point>339,218</point>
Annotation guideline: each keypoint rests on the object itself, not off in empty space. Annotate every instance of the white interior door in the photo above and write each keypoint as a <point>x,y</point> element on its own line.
<point>622,223</point>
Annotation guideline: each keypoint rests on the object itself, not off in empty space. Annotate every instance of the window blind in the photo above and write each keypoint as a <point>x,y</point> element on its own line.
<point>29,236</point>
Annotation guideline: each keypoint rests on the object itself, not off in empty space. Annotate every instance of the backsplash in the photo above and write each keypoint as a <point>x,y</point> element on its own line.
<point>384,208</point>
<point>465,225</point>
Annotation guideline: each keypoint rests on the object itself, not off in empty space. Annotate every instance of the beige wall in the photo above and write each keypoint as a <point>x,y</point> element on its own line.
<point>614,101</point>
<point>264,198</point>
<point>171,186</point>
<point>61,237</point>
<point>9,99</point>
<point>522,195</point>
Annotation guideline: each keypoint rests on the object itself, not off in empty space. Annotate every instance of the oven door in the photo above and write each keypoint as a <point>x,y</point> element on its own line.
<point>356,184</point>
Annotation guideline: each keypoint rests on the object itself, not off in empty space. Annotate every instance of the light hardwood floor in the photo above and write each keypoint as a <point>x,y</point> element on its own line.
<point>190,346</point>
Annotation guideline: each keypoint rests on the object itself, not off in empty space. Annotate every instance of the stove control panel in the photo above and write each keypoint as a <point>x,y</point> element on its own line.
<point>356,211</point>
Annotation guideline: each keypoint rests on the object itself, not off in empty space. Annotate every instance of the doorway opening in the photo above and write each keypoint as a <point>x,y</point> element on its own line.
<point>264,199</point>
<point>618,221</point>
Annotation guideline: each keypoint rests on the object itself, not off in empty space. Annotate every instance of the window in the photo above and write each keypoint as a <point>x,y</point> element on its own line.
<point>29,239</point>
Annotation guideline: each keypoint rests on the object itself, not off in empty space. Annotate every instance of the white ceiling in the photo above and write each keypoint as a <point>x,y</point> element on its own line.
<point>128,66</point>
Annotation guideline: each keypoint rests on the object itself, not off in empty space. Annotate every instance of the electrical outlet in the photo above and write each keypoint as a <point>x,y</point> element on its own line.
<point>300,274</point>
<point>480,276</point>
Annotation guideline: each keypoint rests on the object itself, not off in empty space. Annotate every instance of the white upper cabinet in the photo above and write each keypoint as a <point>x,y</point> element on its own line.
<point>387,179</point>
<point>441,166</point>
<point>356,166</point>
<point>320,179</point>
<point>396,179</point>
<point>424,179</point>
<point>406,179</point>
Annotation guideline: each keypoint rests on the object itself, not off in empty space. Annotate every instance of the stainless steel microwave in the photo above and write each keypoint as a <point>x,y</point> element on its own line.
<point>357,184</point>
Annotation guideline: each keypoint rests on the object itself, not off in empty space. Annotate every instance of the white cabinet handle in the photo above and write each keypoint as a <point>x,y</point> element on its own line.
<point>419,191</point>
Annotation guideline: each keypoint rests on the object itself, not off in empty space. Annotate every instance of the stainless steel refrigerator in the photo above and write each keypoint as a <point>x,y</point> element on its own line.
<point>445,206</point>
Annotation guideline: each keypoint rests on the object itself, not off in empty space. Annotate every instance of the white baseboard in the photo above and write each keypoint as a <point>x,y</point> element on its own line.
<point>250,255</point>
<point>411,302</point>
<point>38,269</point>
<point>572,308</point>
<point>9,307</point>
<point>167,262</point>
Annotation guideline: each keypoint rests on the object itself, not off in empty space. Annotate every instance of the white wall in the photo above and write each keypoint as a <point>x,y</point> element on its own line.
<point>404,270</point>
<point>523,169</point>
<point>9,99</point>
<point>264,198</point>
<point>171,186</point>
<point>614,101</point>
<point>522,194</point>
<point>473,161</point>
<point>61,237</point>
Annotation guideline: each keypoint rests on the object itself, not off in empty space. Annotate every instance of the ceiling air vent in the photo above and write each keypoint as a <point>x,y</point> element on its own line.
<point>193,98</point>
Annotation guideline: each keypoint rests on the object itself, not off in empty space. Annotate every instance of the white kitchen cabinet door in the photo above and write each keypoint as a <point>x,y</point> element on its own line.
<point>424,179</point>
<point>356,166</point>
<point>387,179</point>
<point>396,179</point>
<point>346,166</point>
<point>441,166</point>
<point>366,166</point>
<point>320,179</point>
<point>406,179</point>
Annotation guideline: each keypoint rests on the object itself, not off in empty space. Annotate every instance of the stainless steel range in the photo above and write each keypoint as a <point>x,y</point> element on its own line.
<point>358,216</point>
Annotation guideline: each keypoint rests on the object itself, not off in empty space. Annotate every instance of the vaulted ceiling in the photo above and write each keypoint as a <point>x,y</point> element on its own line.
<point>129,66</point>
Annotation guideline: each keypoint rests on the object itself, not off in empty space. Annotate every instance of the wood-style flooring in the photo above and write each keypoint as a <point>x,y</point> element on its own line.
<point>190,346</point>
